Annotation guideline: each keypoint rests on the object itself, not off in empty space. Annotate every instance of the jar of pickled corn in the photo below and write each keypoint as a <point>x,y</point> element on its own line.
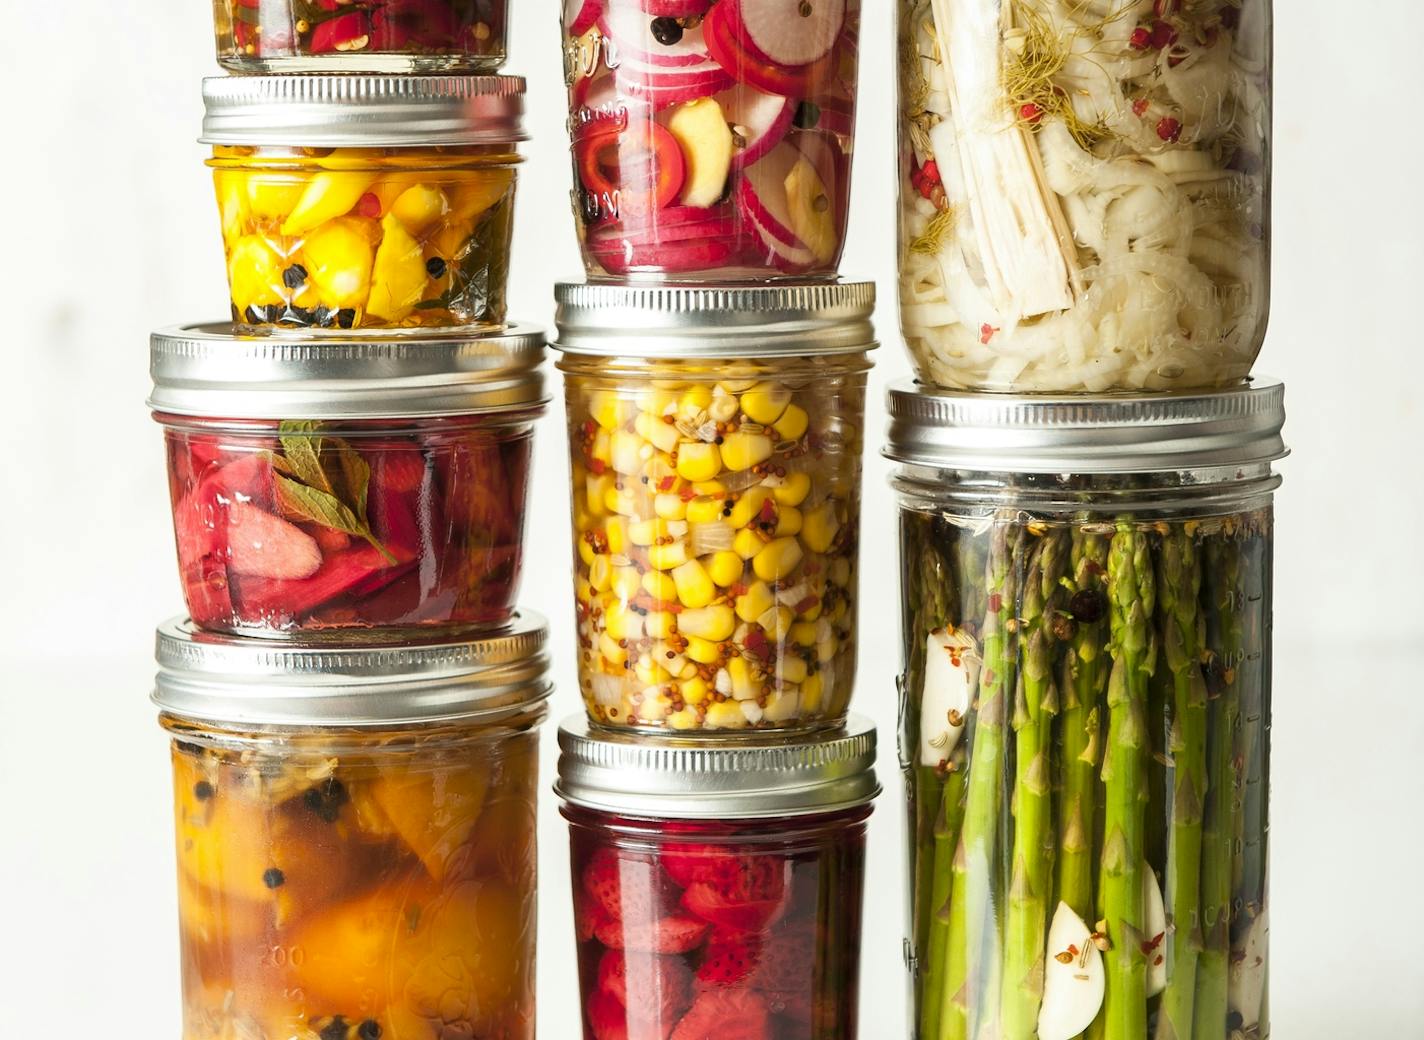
<point>1084,192</point>
<point>717,888</point>
<point>1085,710</point>
<point>365,202</point>
<point>715,440</point>
<point>355,831</point>
<point>348,485</point>
<point>404,36</point>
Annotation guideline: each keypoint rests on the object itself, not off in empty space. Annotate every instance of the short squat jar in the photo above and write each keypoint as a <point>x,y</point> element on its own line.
<point>717,891</point>
<point>402,36</point>
<point>347,485</point>
<point>715,492</point>
<point>711,138</point>
<point>1085,710</point>
<point>355,835</point>
<point>352,203</point>
<point>1084,192</point>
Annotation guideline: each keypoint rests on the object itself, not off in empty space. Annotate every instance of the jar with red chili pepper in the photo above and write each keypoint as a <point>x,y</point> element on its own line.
<point>716,501</point>
<point>717,890</point>
<point>365,484</point>
<point>354,203</point>
<point>355,833</point>
<point>711,138</point>
<point>400,36</point>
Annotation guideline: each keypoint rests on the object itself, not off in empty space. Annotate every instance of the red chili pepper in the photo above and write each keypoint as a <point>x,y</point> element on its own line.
<point>369,205</point>
<point>767,513</point>
<point>1140,106</point>
<point>643,164</point>
<point>738,589</point>
<point>1163,35</point>
<point>666,483</point>
<point>687,494</point>
<point>1141,38</point>
<point>1169,129</point>
<point>345,32</point>
<point>996,602</point>
<point>597,467</point>
<point>1030,113</point>
<point>807,603</point>
<point>986,333</point>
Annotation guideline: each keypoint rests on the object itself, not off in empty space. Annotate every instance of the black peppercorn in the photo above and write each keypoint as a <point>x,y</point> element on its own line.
<point>808,114</point>
<point>202,790</point>
<point>326,799</point>
<point>370,1030</point>
<point>1088,606</point>
<point>667,31</point>
<point>272,877</point>
<point>294,277</point>
<point>334,1030</point>
<point>346,317</point>
<point>435,267</point>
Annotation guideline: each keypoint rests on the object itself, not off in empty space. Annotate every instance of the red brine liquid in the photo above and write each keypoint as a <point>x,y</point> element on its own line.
<point>295,528</point>
<point>735,931</point>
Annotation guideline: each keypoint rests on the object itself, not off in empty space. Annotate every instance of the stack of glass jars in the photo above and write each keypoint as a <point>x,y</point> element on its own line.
<point>1084,477</point>
<point>714,370</point>
<point>354,698</point>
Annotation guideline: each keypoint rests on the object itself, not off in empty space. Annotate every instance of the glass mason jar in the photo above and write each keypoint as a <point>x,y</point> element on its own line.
<point>365,202</point>
<point>1084,192</point>
<point>715,486</point>
<point>347,485</point>
<point>1085,710</point>
<point>402,36</point>
<point>717,891</point>
<point>355,833</point>
<point>711,138</point>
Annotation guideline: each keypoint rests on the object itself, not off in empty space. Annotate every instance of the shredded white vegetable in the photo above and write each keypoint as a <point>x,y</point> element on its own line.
<point>1154,159</point>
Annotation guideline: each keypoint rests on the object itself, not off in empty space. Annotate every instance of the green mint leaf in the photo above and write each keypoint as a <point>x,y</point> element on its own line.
<point>319,507</point>
<point>301,443</point>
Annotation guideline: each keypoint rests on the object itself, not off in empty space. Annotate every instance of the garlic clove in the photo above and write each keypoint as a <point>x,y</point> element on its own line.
<point>1073,978</point>
<point>1154,914</point>
<point>951,672</point>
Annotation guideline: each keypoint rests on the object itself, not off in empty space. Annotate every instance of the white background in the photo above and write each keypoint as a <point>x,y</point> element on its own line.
<point>107,229</point>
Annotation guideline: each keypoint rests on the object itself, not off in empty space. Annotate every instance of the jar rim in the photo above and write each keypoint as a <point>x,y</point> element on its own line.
<point>240,680</point>
<point>744,777</point>
<point>345,110</point>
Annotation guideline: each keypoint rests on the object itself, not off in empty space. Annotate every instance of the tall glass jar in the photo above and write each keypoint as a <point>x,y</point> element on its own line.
<point>715,490</point>
<point>1085,711</point>
<point>717,890</point>
<point>348,485</point>
<point>1084,192</point>
<point>355,833</point>
<point>365,202</point>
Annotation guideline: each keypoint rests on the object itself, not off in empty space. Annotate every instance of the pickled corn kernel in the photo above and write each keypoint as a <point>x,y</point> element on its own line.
<point>659,624</point>
<point>670,507</point>
<point>793,423</point>
<point>704,510</point>
<point>695,690</point>
<point>660,586</point>
<point>793,489</point>
<point>666,557</point>
<point>713,624</point>
<point>777,559</point>
<point>765,402</point>
<point>585,552</point>
<point>725,715</point>
<point>819,527</point>
<point>755,602</point>
<point>615,529</point>
<point>747,544</point>
<point>703,651</point>
<point>694,585</point>
<point>744,450</point>
<point>627,581</point>
<point>724,568</point>
<point>749,506</point>
<point>698,461</point>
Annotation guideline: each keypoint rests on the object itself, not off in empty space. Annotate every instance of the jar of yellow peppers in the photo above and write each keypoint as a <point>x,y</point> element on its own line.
<point>715,439</point>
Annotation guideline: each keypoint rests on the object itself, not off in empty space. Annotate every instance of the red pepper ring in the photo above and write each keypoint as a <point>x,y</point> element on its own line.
<point>642,163</point>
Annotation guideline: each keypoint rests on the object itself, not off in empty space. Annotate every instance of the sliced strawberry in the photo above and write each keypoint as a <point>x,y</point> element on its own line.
<point>673,934</point>
<point>601,882</point>
<point>745,893</point>
<point>729,958</point>
<point>588,916</point>
<point>655,990</point>
<point>686,863</point>
<point>260,545</point>
<point>606,1017</point>
<point>725,1014</point>
<point>628,887</point>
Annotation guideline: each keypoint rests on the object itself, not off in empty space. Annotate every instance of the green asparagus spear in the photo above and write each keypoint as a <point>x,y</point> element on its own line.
<point>946,842</point>
<point>1178,590</point>
<point>1131,587</point>
<point>973,923</point>
<point>1225,597</point>
<point>1026,926</point>
<point>1085,675</point>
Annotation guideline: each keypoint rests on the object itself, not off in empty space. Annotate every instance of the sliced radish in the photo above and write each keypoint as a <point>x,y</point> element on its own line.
<point>790,33</point>
<point>1154,943</point>
<point>1073,978</point>
<point>620,254</point>
<point>597,99</point>
<point>789,258</point>
<point>580,15</point>
<point>746,66</point>
<point>631,31</point>
<point>673,224</point>
<point>762,193</point>
<point>761,119</point>
<point>675,8</point>
<point>661,86</point>
<point>951,674</point>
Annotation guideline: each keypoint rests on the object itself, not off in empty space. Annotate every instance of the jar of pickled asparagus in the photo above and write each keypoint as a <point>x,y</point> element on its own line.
<point>717,889</point>
<point>1085,710</point>
<point>355,834</point>
<point>365,202</point>
<point>348,485</point>
<point>1084,192</point>
<point>715,442</point>
<point>404,36</point>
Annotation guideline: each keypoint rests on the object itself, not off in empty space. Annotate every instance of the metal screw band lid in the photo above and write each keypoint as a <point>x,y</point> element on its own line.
<point>208,677</point>
<point>671,321</point>
<point>682,778</point>
<point>365,111</point>
<point>1081,434</point>
<point>206,370</point>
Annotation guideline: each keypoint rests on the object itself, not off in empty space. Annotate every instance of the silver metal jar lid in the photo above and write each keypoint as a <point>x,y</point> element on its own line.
<point>207,677</point>
<point>671,321</point>
<point>366,111</point>
<point>1080,434</point>
<point>206,370</point>
<point>682,778</point>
